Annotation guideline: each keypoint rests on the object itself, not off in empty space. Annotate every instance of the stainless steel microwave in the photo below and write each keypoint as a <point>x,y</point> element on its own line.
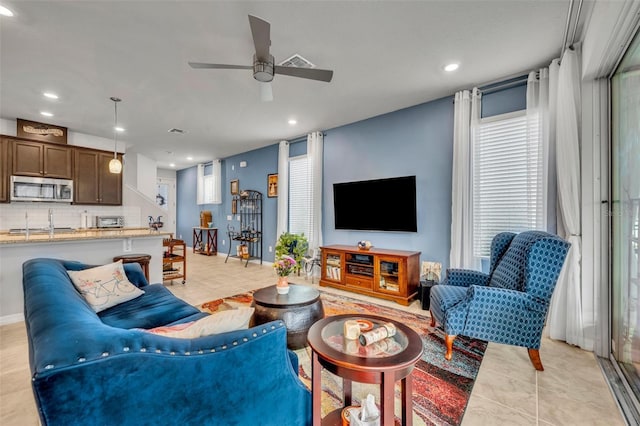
<point>25,188</point>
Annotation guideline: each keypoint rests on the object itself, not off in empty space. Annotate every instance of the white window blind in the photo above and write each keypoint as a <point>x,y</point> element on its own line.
<point>299,196</point>
<point>507,178</point>
<point>208,186</point>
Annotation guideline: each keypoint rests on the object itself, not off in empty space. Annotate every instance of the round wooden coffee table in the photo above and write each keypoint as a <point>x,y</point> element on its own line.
<point>298,309</point>
<point>382,364</point>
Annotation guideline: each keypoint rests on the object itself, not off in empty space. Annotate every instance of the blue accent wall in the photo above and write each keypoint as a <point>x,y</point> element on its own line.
<point>188,211</point>
<point>412,141</point>
<point>260,163</point>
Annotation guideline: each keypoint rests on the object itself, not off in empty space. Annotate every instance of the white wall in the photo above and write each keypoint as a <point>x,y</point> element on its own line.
<point>141,174</point>
<point>147,172</point>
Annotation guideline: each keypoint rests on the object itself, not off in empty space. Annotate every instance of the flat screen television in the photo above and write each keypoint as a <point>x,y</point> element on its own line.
<point>376,205</point>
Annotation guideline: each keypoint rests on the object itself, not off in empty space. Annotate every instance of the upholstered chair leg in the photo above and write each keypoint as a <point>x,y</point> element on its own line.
<point>534,356</point>
<point>448,340</point>
<point>433,319</point>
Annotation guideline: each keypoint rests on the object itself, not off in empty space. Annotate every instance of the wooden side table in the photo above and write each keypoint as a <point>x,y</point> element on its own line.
<point>363,364</point>
<point>205,240</point>
<point>142,259</point>
<point>169,258</point>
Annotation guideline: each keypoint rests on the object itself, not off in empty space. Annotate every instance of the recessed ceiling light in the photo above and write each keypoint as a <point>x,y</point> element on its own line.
<point>292,122</point>
<point>119,129</point>
<point>172,164</point>
<point>46,114</point>
<point>50,95</point>
<point>5,12</point>
<point>189,158</point>
<point>451,67</point>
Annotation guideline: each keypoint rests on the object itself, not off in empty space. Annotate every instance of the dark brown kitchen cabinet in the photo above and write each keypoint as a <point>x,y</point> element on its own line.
<point>93,183</point>
<point>4,170</point>
<point>41,159</point>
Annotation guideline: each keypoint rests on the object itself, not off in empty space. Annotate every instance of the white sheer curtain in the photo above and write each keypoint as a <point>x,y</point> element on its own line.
<point>565,313</point>
<point>540,113</point>
<point>466,113</point>
<point>200,184</point>
<point>216,190</point>
<point>315,143</point>
<point>282,224</point>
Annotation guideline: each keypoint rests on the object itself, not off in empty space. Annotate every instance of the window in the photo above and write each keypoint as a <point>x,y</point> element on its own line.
<point>209,183</point>
<point>299,196</point>
<point>507,178</point>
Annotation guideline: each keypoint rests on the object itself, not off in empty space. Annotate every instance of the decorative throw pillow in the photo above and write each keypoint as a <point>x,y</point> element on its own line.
<point>104,286</point>
<point>220,322</point>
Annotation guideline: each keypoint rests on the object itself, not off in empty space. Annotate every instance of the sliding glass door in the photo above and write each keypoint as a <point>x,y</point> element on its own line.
<point>625,197</point>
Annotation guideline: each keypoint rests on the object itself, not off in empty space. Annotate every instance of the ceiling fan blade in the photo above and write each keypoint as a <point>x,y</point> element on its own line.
<point>260,30</point>
<point>310,73</point>
<point>266,92</point>
<point>200,65</point>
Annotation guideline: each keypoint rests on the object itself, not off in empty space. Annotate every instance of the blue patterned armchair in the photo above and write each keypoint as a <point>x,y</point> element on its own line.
<point>509,304</point>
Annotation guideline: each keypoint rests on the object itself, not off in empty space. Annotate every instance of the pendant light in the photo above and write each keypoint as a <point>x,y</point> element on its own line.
<point>115,166</point>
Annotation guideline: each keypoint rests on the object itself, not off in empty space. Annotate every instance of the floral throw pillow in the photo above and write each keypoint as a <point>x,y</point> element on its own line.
<point>104,286</point>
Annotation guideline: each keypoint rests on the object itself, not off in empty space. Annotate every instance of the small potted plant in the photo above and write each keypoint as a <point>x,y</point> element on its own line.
<point>284,266</point>
<point>293,245</point>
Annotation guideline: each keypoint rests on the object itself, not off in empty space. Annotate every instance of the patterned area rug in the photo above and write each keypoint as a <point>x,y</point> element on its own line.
<point>441,388</point>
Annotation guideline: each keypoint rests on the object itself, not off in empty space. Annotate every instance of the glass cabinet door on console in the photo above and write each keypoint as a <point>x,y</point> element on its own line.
<point>332,266</point>
<point>390,270</point>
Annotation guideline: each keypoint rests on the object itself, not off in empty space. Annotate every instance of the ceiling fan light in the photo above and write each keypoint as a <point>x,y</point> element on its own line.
<point>115,166</point>
<point>266,92</point>
<point>263,71</point>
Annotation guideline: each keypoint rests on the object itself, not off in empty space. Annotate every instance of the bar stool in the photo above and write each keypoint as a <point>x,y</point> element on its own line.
<point>142,259</point>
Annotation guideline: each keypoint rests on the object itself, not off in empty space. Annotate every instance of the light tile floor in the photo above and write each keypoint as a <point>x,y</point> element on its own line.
<point>508,391</point>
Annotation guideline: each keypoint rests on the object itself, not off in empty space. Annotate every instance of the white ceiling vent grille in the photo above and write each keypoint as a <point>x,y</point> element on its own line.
<point>175,130</point>
<point>297,61</point>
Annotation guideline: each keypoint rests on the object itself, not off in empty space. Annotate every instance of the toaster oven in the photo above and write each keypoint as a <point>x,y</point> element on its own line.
<point>109,221</point>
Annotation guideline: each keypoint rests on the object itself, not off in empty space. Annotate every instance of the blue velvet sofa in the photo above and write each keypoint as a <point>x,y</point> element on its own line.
<point>96,369</point>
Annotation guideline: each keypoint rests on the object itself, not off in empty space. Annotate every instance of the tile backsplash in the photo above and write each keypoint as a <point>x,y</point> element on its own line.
<point>64,215</point>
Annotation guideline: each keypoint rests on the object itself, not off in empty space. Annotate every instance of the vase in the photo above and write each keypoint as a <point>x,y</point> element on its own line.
<point>283,285</point>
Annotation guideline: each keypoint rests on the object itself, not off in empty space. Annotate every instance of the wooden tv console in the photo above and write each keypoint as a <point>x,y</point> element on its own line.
<point>387,274</point>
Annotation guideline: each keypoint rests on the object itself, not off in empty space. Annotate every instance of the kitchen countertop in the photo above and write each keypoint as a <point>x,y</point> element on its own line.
<point>81,234</point>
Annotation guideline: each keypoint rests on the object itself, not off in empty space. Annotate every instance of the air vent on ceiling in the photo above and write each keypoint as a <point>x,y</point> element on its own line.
<point>297,61</point>
<point>174,130</point>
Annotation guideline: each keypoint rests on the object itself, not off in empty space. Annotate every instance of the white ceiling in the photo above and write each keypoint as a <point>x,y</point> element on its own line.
<point>386,55</point>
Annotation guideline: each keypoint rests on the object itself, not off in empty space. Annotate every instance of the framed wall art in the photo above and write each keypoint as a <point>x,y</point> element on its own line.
<point>235,187</point>
<point>272,185</point>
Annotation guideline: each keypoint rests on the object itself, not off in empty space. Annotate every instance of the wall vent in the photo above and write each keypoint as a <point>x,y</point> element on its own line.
<point>174,130</point>
<point>297,61</point>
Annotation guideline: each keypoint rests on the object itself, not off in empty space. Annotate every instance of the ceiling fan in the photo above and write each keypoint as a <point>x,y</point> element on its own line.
<point>263,63</point>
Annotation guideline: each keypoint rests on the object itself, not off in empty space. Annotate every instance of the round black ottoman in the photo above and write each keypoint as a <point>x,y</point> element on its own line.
<point>298,309</point>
